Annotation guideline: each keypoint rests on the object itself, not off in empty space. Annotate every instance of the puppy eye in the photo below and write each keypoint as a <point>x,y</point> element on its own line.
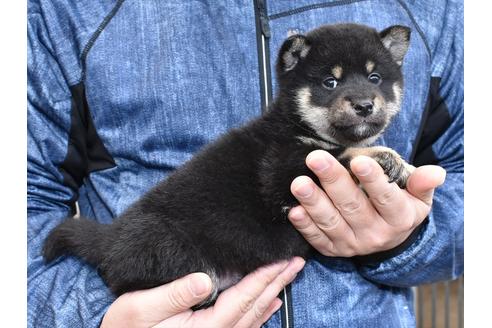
<point>374,78</point>
<point>330,83</point>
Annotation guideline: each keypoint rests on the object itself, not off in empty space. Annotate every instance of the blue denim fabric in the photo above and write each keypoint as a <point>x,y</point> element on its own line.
<point>164,78</point>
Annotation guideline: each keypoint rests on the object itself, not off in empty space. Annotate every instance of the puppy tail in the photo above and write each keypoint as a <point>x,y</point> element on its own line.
<point>80,237</point>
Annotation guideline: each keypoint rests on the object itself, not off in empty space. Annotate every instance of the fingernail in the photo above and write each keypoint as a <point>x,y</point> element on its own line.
<point>320,164</point>
<point>304,191</point>
<point>362,168</point>
<point>301,262</point>
<point>296,214</point>
<point>443,175</point>
<point>292,279</point>
<point>278,304</point>
<point>200,284</point>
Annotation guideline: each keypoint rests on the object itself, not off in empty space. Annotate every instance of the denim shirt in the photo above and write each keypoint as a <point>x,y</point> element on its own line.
<point>120,93</point>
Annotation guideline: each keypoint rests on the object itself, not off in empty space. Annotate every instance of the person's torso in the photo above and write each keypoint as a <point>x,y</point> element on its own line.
<point>163,79</point>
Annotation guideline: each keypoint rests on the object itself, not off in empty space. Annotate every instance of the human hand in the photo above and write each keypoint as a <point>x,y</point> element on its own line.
<point>249,303</point>
<point>340,220</point>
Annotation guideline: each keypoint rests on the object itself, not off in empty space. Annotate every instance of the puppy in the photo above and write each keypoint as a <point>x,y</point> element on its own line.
<point>225,211</point>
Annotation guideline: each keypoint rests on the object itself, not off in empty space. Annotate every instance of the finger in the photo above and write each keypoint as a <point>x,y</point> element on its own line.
<point>274,307</point>
<point>198,318</point>
<point>257,323</point>
<point>301,220</point>
<point>262,305</point>
<point>424,180</point>
<point>157,304</point>
<point>340,187</point>
<point>183,319</point>
<point>236,301</point>
<point>322,211</point>
<point>389,200</point>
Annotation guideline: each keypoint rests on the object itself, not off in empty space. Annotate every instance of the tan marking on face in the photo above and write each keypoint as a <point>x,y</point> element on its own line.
<point>314,116</point>
<point>346,105</point>
<point>394,107</point>
<point>370,66</point>
<point>378,103</point>
<point>341,105</point>
<point>337,72</point>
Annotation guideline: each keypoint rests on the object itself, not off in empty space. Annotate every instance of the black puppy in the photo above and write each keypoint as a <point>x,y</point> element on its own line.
<point>224,212</point>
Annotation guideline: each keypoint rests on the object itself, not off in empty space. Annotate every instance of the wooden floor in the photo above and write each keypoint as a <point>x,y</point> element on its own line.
<point>440,305</point>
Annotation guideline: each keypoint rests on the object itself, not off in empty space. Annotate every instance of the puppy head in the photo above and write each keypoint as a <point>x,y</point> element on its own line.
<point>344,81</point>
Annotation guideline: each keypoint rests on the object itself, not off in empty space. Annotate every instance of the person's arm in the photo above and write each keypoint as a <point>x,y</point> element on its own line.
<point>67,292</point>
<point>385,231</point>
<point>248,304</point>
<point>398,238</point>
<point>437,252</point>
<point>70,293</point>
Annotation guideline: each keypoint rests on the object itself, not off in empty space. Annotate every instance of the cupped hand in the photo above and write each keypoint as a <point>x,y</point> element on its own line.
<point>339,219</point>
<point>249,303</point>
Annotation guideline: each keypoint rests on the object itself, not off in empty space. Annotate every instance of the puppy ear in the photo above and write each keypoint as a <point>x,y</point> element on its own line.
<point>294,49</point>
<point>396,39</point>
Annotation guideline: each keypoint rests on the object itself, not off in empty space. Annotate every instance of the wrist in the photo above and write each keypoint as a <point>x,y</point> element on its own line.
<point>378,257</point>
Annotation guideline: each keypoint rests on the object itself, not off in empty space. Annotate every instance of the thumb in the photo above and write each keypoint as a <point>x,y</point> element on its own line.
<point>165,301</point>
<point>424,180</point>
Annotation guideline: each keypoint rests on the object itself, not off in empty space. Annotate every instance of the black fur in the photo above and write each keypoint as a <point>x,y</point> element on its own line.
<point>224,211</point>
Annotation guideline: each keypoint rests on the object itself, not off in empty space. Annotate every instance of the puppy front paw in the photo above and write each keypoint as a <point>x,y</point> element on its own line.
<point>391,162</point>
<point>393,166</point>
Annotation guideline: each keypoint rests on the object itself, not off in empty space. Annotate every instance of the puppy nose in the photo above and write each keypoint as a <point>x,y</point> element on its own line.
<point>363,108</point>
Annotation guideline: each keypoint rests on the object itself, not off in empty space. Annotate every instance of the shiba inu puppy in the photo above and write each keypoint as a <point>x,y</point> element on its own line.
<point>224,212</point>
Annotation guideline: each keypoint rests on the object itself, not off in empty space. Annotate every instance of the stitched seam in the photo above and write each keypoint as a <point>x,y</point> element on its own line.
<point>346,2</point>
<point>417,27</point>
<point>423,121</point>
<point>96,34</point>
<point>290,305</point>
<point>94,189</point>
<point>312,7</point>
<point>266,95</point>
